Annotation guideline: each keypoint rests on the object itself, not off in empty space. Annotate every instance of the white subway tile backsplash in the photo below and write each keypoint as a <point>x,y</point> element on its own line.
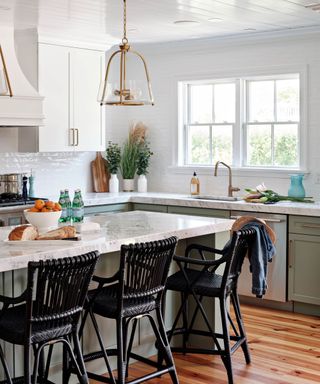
<point>52,171</point>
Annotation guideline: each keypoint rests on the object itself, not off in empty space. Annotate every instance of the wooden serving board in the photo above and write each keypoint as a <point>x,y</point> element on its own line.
<point>100,175</point>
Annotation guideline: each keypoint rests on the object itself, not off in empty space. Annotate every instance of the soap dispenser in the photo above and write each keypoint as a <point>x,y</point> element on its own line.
<point>194,185</point>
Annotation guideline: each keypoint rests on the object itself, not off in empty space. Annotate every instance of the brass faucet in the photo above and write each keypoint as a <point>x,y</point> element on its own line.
<point>230,187</point>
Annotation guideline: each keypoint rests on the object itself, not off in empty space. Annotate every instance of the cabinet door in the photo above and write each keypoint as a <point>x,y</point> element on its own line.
<point>304,268</point>
<point>220,213</point>
<point>87,116</point>
<point>54,86</point>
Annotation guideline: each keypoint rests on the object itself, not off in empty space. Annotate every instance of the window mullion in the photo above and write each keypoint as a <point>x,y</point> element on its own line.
<point>211,143</point>
<point>272,144</point>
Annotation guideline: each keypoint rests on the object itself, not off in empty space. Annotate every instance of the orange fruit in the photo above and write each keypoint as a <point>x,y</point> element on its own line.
<point>57,207</point>
<point>33,209</point>
<point>39,204</point>
<point>49,204</point>
<point>45,209</point>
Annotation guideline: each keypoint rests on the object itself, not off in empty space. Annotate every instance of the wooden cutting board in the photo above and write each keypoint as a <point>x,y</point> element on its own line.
<point>100,175</point>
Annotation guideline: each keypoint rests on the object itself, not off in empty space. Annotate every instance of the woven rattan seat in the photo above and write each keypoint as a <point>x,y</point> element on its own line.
<point>105,303</point>
<point>196,279</point>
<point>135,291</point>
<point>47,313</point>
<point>208,283</point>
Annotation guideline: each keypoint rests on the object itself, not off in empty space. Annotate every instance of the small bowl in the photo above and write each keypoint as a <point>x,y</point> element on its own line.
<point>43,221</point>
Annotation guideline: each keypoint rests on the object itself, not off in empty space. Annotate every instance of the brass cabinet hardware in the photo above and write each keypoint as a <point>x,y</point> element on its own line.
<point>77,137</point>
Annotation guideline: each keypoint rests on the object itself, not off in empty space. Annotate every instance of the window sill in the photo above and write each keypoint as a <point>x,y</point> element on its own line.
<point>281,173</point>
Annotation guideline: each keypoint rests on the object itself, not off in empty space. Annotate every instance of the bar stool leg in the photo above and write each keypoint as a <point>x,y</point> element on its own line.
<point>226,358</point>
<point>5,366</point>
<point>27,379</point>
<point>244,346</point>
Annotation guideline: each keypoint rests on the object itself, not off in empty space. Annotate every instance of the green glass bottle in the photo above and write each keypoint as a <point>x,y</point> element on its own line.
<point>62,202</point>
<point>77,207</point>
<point>68,206</point>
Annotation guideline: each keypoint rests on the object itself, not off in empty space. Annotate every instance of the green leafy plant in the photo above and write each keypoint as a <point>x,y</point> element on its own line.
<point>129,159</point>
<point>143,160</point>
<point>113,156</point>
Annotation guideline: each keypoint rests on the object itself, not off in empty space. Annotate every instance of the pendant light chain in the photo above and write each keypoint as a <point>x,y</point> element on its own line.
<point>124,39</point>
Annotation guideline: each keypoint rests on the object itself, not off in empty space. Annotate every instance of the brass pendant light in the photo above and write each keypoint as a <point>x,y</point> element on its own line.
<point>5,86</point>
<point>122,90</point>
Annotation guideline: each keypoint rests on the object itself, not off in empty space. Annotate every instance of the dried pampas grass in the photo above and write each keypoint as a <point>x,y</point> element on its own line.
<point>138,133</point>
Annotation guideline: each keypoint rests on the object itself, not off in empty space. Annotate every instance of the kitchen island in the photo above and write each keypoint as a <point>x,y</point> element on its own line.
<point>116,229</point>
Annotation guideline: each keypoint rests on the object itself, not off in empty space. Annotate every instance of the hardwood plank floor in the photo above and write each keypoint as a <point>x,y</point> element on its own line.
<point>285,349</point>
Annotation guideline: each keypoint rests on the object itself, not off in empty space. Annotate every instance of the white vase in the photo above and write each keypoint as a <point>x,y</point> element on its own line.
<point>128,185</point>
<point>114,184</point>
<point>142,183</point>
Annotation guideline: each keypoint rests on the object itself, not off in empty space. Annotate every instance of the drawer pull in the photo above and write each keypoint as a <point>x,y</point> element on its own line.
<point>314,226</point>
<point>261,218</point>
<point>290,256</point>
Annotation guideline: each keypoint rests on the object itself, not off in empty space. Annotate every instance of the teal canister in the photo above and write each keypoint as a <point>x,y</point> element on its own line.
<point>296,188</point>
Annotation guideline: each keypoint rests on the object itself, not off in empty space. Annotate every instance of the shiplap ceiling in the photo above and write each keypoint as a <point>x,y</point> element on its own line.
<point>153,20</point>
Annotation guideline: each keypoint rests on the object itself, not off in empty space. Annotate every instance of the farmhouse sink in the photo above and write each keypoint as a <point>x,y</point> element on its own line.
<point>212,197</point>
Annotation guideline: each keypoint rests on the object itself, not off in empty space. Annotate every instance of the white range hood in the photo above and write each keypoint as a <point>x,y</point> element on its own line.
<point>25,107</point>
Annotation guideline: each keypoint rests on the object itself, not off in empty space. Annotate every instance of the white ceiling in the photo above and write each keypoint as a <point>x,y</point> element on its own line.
<point>153,20</point>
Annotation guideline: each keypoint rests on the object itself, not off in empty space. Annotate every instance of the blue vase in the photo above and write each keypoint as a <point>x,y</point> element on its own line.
<point>296,188</point>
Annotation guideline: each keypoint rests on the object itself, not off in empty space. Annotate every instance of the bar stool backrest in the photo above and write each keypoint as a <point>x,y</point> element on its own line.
<point>144,268</point>
<point>56,290</point>
<point>239,246</point>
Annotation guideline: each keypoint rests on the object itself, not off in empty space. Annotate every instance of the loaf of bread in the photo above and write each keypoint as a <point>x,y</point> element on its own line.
<point>23,233</point>
<point>58,234</point>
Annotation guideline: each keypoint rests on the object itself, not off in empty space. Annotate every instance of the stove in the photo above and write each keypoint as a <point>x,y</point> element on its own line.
<point>12,199</point>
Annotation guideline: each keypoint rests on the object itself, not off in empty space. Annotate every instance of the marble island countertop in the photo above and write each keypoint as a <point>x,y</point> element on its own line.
<point>184,200</point>
<point>116,229</point>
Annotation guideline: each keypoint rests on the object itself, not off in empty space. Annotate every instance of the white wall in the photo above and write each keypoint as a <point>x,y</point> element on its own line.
<point>169,62</point>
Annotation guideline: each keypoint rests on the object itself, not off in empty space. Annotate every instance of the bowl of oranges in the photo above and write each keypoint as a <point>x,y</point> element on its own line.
<point>44,215</point>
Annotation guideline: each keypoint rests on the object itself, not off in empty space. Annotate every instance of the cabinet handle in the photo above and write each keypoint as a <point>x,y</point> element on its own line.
<point>261,218</point>
<point>77,136</point>
<point>290,256</point>
<point>315,226</point>
<point>71,136</point>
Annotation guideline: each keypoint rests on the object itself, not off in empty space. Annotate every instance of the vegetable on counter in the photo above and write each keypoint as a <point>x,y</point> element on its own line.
<point>263,195</point>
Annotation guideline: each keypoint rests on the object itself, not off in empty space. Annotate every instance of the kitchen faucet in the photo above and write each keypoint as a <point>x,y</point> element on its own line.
<point>230,187</point>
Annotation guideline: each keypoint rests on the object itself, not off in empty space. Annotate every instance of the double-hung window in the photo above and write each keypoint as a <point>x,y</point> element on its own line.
<point>210,121</point>
<point>246,122</point>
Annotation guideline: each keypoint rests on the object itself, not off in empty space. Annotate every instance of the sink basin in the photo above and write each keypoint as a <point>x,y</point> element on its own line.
<point>212,197</point>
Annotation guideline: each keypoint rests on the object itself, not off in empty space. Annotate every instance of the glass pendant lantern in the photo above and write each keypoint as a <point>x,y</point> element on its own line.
<point>5,87</point>
<point>127,80</point>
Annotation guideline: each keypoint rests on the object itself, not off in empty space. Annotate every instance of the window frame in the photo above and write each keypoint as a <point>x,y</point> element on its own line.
<point>180,166</point>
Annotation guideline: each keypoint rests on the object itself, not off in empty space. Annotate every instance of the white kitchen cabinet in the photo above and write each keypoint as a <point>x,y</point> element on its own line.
<point>69,79</point>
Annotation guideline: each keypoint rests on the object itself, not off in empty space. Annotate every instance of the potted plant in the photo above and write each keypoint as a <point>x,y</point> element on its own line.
<point>113,156</point>
<point>128,164</point>
<point>143,165</point>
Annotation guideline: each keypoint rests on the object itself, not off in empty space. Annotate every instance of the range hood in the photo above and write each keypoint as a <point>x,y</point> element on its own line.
<point>25,107</point>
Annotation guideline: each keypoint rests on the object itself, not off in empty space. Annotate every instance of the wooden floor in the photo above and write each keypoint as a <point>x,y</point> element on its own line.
<point>285,349</point>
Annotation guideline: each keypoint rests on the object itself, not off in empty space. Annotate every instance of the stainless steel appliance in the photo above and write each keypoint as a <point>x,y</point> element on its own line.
<point>11,208</point>
<point>277,269</point>
<point>11,183</point>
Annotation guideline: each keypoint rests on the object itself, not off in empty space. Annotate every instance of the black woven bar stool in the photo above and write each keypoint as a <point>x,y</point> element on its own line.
<point>48,313</point>
<point>135,291</point>
<point>196,279</point>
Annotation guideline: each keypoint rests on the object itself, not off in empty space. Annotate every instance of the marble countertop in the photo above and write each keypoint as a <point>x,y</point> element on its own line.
<point>184,200</point>
<point>284,207</point>
<point>116,229</point>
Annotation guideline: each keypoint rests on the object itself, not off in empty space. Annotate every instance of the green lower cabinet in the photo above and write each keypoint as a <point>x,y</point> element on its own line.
<point>110,208</point>
<point>304,268</point>
<point>220,213</point>
<point>149,207</point>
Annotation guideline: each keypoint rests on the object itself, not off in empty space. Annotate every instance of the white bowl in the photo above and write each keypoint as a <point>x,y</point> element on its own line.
<point>44,221</point>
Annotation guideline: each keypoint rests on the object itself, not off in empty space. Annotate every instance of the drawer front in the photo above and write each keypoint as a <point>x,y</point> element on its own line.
<point>304,225</point>
<point>91,210</point>
<point>199,211</point>
<point>150,207</point>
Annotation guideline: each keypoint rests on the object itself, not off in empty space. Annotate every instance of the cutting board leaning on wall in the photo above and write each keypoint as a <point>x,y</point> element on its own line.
<point>100,175</point>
